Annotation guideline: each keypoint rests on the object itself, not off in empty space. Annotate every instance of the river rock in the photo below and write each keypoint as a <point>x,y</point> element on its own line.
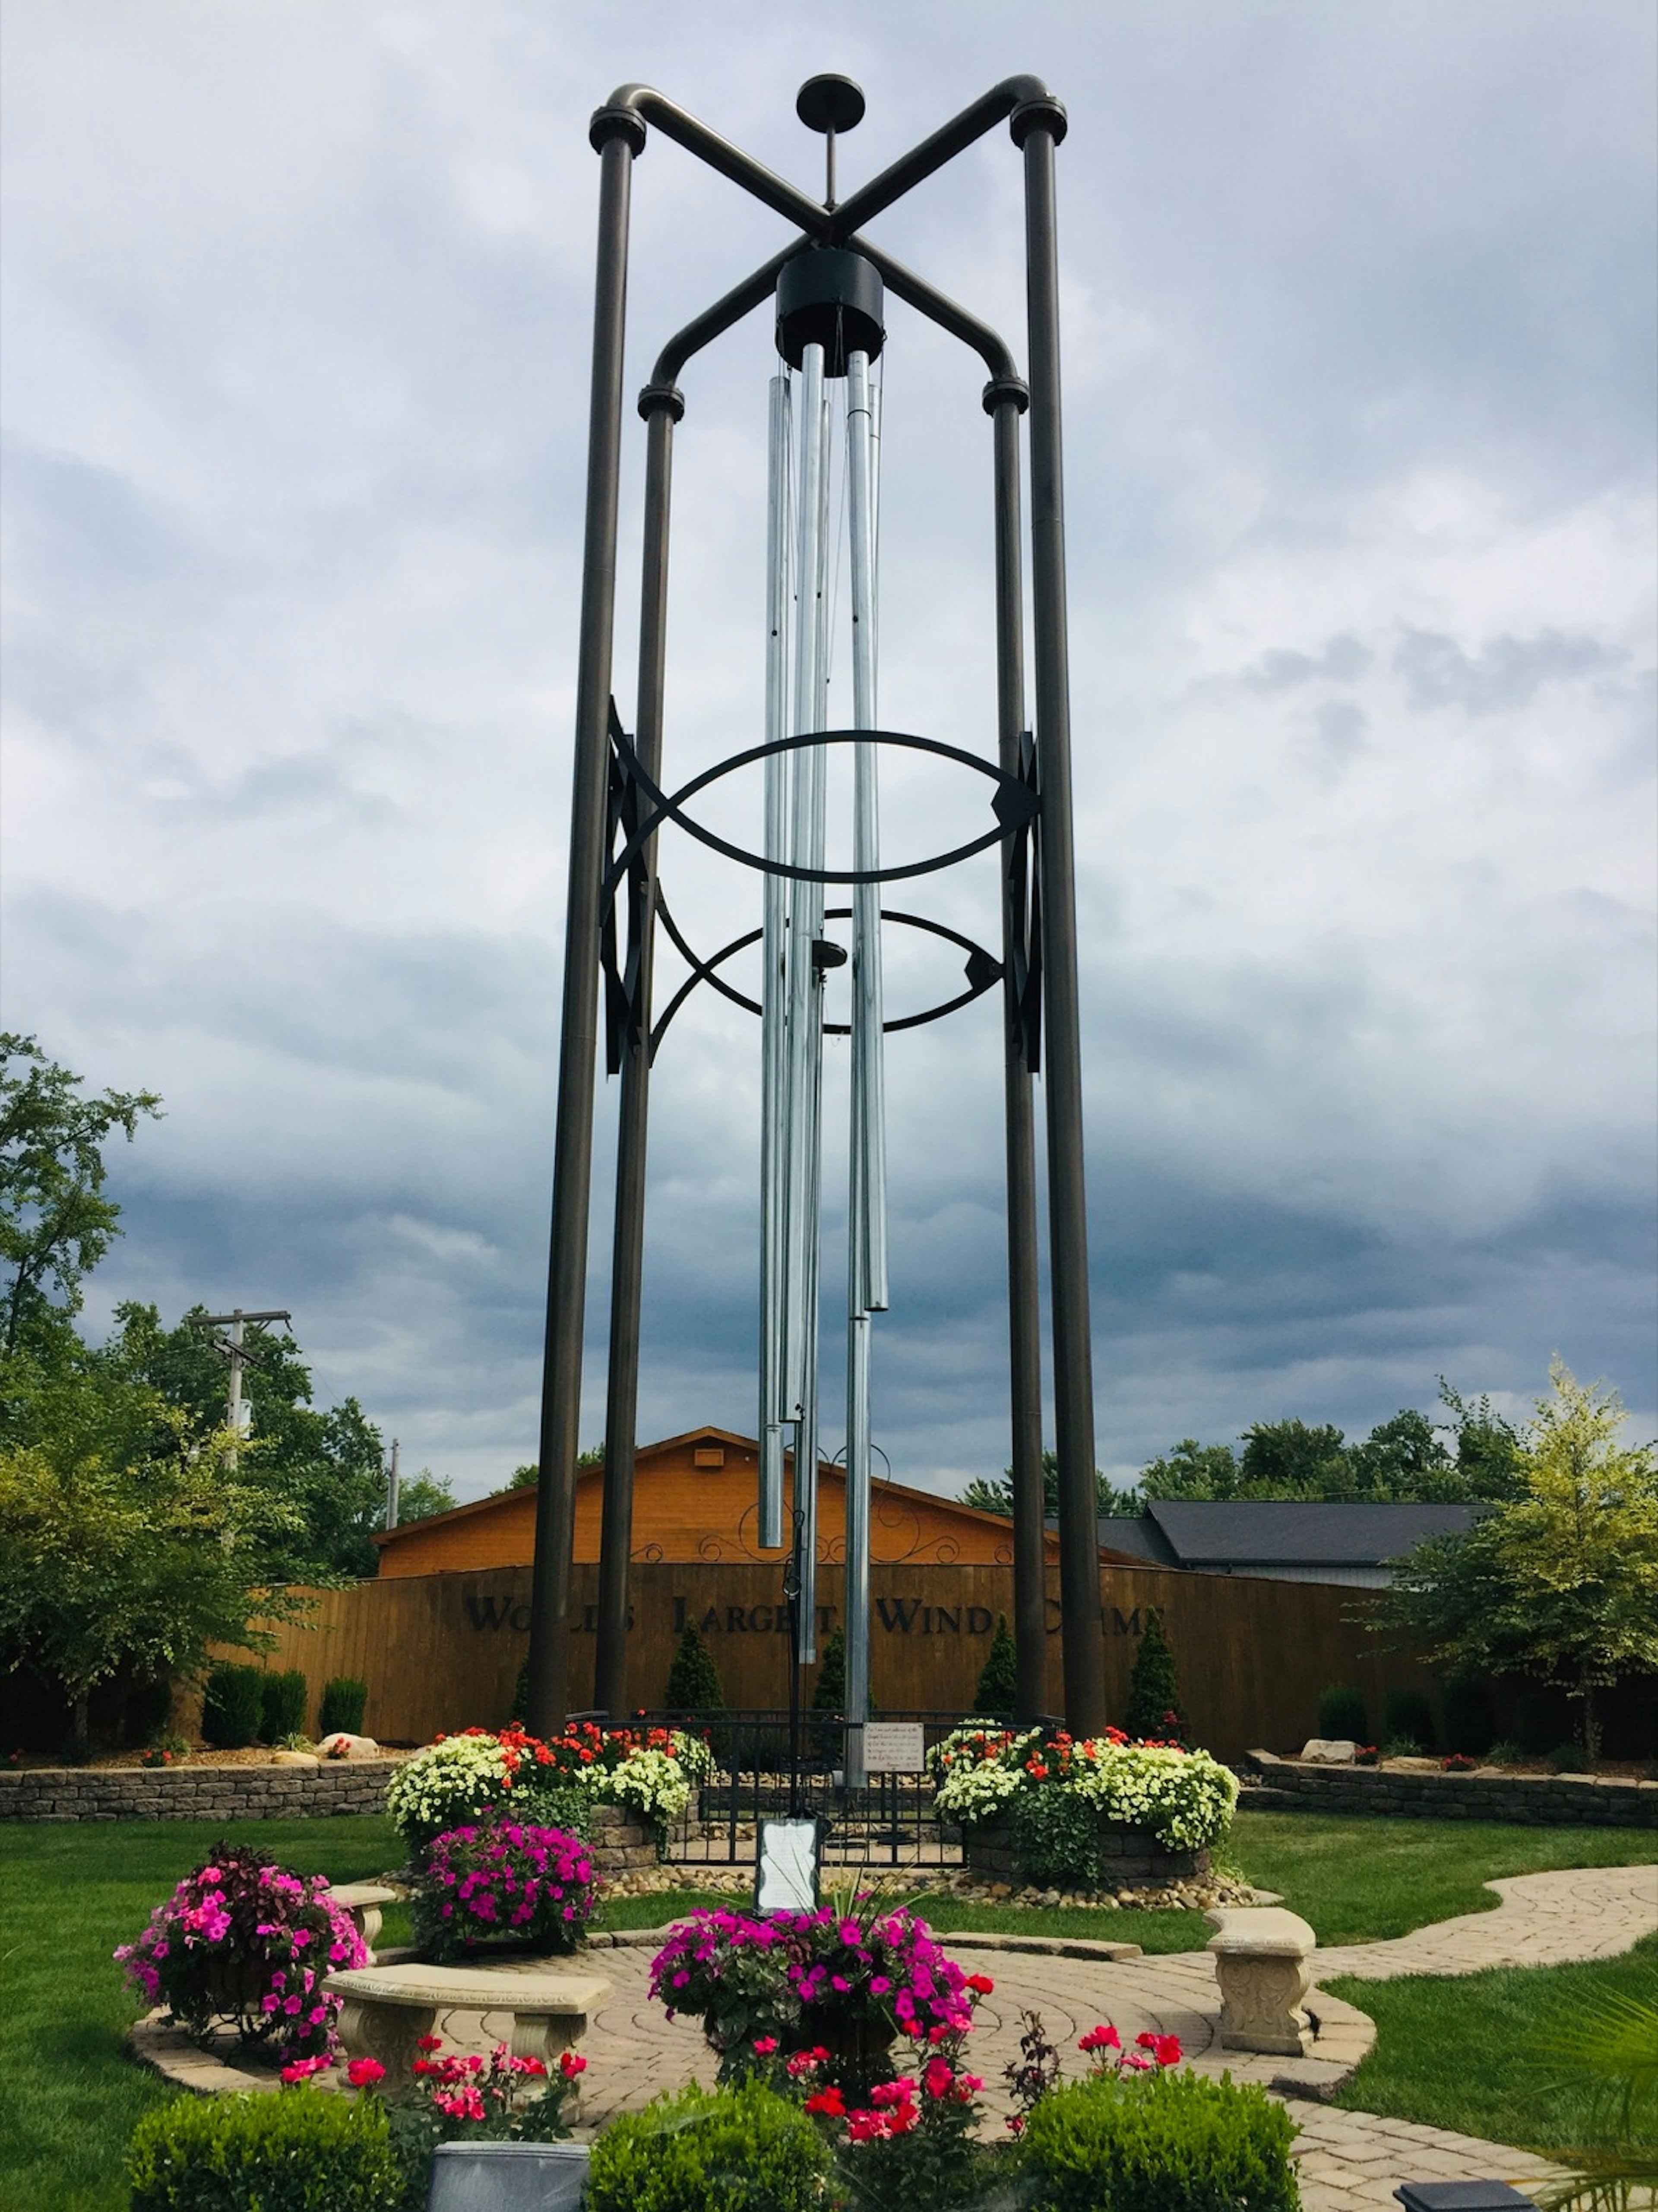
<point>1329,1750</point>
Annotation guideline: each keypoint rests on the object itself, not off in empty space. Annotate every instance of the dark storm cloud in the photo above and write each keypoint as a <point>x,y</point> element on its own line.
<point>1359,361</point>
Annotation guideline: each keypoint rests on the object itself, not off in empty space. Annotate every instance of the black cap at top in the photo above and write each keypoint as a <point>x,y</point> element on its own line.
<point>832,297</point>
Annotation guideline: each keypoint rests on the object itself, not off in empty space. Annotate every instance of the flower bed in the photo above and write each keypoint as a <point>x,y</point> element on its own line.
<point>843,1982</point>
<point>531,1885</point>
<point>459,1780</point>
<point>1041,1805</point>
<point>246,1940</point>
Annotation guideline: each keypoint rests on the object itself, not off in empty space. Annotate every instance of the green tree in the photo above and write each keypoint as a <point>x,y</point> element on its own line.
<point>55,1221</point>
<point>527,1476</point>
<point>1191,1470</point>
<point>1560,1581</point>
<point>1404,1458</point>
<point>998,1685</point>
<point>1154,1687</point>
<point>112,1561</point>
<point>328,1466</point>
<point>424,1494</point>
<point>996,1495</point>
<point>829,1692</point>
<point>1287,1459</point>
<point>693,1679</point>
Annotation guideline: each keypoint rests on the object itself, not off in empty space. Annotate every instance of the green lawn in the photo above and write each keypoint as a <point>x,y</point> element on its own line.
<point>70,1894</point>
<point>1462,2053</point>
<point>1355,1879</point>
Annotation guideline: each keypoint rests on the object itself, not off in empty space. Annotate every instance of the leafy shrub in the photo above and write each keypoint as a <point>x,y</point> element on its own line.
<point>1056,1839</point>
<point>245,1940</point>
<point>1342,1715</point>
<point>1408,1713</point>
<point>998,1686</point>
<point>1162,2142</point>
<point>1470,1717</point>
<point>1401,1747</point>
<point>303,2151</point>
<point>745,2149</point>
<point>344,1701</point>
<point>1154,1688</point>
<point>232,1703</point>
<point>282,1710</point>
<point>693,1679</point>
<point>1568,1758</point>
<point>533,1884</point>
<point>1504,1753</point>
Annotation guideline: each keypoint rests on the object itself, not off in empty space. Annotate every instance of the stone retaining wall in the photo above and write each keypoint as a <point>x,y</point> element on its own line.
<point>1127,1855</point>
<point>195,1793</point>
<point>618,1843</point>
<point>1542,1800</point>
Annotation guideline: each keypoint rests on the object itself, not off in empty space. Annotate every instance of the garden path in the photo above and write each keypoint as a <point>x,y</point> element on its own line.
<point>1348,2162</point>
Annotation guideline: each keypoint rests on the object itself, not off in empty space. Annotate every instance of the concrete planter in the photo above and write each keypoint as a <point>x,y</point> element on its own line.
<point>1127,1856</point>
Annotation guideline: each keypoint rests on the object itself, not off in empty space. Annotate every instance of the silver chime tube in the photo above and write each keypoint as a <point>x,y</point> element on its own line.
<point>867,1240</point>
<point>869,1086</point>
<point>805,1045</point>
<point>775,1408</point>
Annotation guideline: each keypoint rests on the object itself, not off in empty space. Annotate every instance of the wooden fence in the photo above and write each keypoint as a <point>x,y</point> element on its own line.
<point>442,1651</point>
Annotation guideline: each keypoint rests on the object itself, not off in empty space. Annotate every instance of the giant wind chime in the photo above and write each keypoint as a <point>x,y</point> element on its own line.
<point>829,287</point>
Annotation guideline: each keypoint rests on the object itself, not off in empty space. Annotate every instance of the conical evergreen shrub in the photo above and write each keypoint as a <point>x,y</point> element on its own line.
<point>693,1679</point>
<point>1154,1688</point>
<point>998,1686</point>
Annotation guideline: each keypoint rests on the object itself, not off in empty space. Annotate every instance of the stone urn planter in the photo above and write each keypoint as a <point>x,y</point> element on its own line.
<point>1128,1857</point>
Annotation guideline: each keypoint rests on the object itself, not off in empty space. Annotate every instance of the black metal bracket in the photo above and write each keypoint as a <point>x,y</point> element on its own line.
<point>622,969</point>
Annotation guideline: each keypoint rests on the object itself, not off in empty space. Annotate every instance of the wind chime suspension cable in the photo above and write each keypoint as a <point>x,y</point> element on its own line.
<point>774,1146</point>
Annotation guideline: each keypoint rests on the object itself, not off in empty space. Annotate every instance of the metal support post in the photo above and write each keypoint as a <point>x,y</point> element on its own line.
<point>618,135</point>
<point>661,409</point>
<point>1006,399</point>
<point>1036,127</point>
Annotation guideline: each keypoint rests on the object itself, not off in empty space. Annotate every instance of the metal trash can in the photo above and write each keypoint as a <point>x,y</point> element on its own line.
<point>1462,2197</point>
<point>508,2177</point>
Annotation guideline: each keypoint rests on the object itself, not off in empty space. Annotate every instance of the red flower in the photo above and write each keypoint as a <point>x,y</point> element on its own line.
<point>829,2102</point>
<point>765,2045</point>
<point>363,2073</point>
<point>982,1982</point>
<point>570,2064</point>
<point>1104,2037</point>
<point>429,2043</point>
<point>1165,2049</point>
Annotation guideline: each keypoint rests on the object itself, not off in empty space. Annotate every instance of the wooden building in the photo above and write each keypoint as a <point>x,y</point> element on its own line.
<point>695,1500</point>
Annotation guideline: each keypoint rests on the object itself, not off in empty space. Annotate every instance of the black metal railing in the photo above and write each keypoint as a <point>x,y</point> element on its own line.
<point>763,1769</point>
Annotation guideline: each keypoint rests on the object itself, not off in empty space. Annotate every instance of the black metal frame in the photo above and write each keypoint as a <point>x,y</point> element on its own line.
<point>1039,918</point>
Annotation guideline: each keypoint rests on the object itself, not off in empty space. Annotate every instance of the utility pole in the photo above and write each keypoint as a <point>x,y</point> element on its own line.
<point>392,1484</point>
<point>232,1349</point>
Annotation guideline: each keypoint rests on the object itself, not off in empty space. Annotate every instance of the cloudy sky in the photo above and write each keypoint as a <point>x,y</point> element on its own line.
<point>1359,439</point>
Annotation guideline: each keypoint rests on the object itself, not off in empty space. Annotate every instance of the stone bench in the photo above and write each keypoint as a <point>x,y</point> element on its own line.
<point>386,2010</point>
<point>1262,1956</point>
<point>361,1902</point>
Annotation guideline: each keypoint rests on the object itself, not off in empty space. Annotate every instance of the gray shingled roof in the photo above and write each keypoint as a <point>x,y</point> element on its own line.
<point>1295,1534</point>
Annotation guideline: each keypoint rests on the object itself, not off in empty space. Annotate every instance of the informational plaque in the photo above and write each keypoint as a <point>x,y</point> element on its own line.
<point>894,1747</point>
<point>786,1872</point>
